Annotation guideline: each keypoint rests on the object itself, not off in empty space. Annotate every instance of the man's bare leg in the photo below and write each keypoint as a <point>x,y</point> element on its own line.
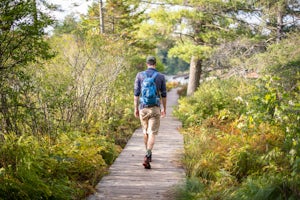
<point>148,157</point>
<point>149,146</point>
<point>151,140</point>
<point>146,140</point>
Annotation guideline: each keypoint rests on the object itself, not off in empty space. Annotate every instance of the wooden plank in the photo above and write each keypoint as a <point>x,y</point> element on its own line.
<point>127,178</point>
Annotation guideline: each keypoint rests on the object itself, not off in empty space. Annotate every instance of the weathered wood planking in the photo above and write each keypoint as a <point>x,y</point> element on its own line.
<point>127,178</point>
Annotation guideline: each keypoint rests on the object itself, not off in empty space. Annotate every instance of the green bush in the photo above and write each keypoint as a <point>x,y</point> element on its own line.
<point>211,98</point>
<point>34,168</point>
<point>25,171</point>
<point>236,145</point>
<point>268,187</point>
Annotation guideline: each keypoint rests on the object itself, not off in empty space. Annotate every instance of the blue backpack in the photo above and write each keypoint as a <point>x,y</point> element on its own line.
<point>149,95</point>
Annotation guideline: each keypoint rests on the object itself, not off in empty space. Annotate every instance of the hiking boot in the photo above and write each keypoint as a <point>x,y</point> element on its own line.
<point>146,162</point>
<point>150,158</point>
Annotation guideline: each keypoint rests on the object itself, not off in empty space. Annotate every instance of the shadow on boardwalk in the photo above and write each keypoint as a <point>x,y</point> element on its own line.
<point>127,178</point>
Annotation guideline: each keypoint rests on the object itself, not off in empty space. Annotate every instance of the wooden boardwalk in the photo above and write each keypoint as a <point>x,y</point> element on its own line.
<point>127,178</point>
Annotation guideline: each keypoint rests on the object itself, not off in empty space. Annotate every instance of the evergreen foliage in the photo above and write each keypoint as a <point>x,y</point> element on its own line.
<point>173,66</point>
<point>21,42</point>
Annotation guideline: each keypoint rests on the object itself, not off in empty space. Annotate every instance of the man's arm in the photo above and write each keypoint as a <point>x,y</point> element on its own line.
<point>136,107</point>
<point>137,91</point>
<point>164,110</point>
<point>163,91</point>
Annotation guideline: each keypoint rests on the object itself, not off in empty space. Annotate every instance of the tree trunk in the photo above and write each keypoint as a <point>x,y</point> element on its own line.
<point>35,16</point>
<point>279,25</point>
<point>101,17</point>
<point>195,74</point>
<point>5,113</point>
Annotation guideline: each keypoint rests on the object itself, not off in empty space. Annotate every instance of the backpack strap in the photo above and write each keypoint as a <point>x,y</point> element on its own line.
<point>154,75</point>
<point>144,74</point>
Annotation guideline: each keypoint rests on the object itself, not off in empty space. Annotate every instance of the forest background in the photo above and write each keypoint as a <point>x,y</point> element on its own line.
<point>66,98</point>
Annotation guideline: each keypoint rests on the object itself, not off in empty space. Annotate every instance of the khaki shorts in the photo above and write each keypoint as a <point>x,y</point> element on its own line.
<point>150,120</point>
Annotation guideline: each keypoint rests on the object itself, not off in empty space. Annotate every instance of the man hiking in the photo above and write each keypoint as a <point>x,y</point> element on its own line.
<point>150,99</point>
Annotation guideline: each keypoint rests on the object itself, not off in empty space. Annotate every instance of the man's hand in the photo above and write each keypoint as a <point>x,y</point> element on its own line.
<point>136,113</point>
<point>163,113</point>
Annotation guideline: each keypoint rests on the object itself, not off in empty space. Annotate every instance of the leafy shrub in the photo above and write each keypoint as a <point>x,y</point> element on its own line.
<point>212,97</point>
<point>268,187</point>
<point>182,91</point>
<point>25,172</point>
<point>33,168</point>
<point>172,84</point>
<point>191,190</point>
<point>236,143</point>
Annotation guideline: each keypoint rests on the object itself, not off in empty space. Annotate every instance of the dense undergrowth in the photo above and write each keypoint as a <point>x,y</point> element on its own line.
<point>32,168</point>
<point>66,121</point>
<point>242,136</point>
<point>67,167</point>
